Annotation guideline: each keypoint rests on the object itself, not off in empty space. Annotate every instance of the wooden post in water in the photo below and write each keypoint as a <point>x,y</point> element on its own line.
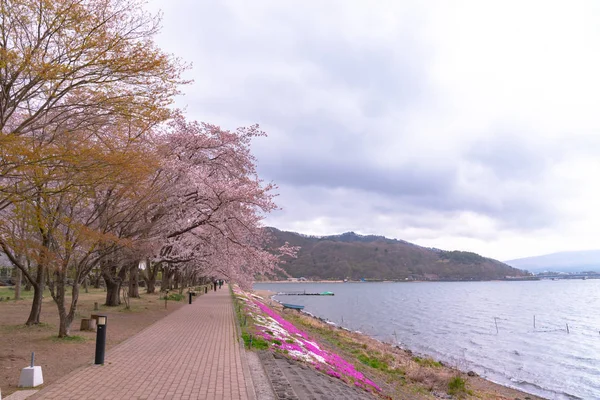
<point>568,328</point>
<point>496,322</point>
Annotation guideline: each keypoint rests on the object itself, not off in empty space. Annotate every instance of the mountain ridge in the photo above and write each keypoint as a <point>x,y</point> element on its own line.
<point>562,261</point>
<point>353,256</point>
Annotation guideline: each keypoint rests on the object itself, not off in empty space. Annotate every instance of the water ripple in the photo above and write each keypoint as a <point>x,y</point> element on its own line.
<point>487,327</point>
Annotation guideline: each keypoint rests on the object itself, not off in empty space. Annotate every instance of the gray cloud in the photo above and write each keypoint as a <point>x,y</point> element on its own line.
<point>511,156</point>
<point>363,132</point>
<point>405,181</point>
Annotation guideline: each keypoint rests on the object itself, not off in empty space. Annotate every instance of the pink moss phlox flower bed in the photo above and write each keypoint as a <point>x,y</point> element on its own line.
<point>285,337</point>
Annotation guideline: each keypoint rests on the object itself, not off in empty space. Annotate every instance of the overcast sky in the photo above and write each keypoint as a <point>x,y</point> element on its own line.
<point>470,125</point>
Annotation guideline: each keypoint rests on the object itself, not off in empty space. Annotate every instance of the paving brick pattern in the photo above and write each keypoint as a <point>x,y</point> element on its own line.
<point>192,353</point>
<point>20,395</point>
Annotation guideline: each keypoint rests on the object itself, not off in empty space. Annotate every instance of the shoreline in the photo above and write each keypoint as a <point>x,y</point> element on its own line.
<point>410,281</point>
<point>484,388</point>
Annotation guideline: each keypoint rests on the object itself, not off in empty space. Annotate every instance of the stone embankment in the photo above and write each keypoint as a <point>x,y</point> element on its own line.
<point>293,380</point>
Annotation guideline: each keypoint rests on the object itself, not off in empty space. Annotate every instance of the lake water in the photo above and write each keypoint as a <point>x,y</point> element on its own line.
<point>455,322</point>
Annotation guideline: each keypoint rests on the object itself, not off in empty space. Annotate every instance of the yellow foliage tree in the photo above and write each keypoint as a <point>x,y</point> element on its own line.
<point>100,51</point>
<point>81,84</point>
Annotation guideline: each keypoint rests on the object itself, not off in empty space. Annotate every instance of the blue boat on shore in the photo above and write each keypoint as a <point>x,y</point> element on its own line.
<point>292,306</point>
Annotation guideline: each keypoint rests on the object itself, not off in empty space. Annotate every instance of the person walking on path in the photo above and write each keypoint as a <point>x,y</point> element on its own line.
<point>220,283</point>
<point>215,284</point>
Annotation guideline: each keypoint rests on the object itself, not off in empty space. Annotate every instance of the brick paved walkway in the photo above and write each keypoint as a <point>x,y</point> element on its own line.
<point>192,353</point>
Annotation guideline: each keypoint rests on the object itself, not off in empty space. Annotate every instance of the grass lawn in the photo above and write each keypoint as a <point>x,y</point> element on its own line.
<point>9,291</point>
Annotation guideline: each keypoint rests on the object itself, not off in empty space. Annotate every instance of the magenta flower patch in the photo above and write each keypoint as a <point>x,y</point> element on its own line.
<point>284,336</point>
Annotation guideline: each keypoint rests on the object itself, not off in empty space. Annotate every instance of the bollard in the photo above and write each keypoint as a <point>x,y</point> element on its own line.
<point>190,295</point>
<point>100,339</point>
<point>31,376</point>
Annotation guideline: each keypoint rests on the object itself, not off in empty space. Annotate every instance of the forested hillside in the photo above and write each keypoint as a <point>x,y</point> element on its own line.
<point>356,257</point>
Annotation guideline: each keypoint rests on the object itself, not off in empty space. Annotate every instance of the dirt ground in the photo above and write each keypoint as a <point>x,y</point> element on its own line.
<point>58,357</point>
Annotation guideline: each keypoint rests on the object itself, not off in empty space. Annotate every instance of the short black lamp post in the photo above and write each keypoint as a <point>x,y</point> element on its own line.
<point>100,339</point>
<point>190,295</point>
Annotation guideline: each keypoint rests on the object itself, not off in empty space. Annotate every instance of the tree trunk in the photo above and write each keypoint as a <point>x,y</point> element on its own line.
<point>18,280</point>
<point>58,291</point>
<point>67,319</point>
<point>97,278</point>
<point>113,280</point>
<point>149,276</point>
<point>36,306</point>
<point>166,275</point>
<point>151,285</point>
<point>63,327</point>
<point>113,296</point>
<point>183,282</point>
<point>38,292</point>
<point>28,285</point>
<point>134,277</point>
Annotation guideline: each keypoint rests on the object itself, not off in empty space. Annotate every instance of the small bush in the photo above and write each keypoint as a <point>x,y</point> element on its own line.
<point>373,362</point>
<point>457,386</point>
<point>427,362</point>
<point>254,342</point>
<point>175,296</point>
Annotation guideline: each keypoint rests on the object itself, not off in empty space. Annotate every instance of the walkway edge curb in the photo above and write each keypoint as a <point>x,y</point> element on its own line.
<point>245,369</point>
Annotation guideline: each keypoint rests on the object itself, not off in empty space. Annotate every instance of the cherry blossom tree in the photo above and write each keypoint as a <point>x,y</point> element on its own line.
<point>217,203</point>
